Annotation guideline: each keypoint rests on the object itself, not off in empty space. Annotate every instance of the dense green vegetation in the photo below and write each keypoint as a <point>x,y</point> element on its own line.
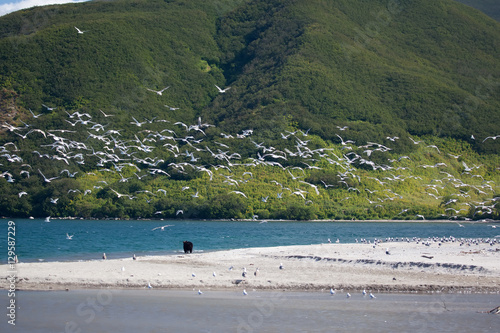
<point>415,70</point>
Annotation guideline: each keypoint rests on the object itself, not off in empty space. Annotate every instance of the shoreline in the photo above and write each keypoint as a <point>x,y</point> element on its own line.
<point>409,267</point>
<point>261,220</point>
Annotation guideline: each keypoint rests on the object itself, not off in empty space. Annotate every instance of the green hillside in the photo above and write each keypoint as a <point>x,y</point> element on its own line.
<point>325,100</point>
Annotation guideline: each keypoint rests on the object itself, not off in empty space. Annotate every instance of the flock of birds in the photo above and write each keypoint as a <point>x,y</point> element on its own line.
<point>429,241</point>
<point>106,150</point>
<point>91,141</point>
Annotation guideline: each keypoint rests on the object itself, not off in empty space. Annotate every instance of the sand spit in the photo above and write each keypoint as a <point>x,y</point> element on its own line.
<point>389,267</point>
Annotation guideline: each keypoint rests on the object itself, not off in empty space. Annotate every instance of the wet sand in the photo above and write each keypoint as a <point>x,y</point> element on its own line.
<point>154,310</point>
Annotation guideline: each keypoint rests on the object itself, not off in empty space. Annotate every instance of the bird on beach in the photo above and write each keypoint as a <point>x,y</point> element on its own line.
<point>332,292</point>
<point>245,292</point>
<point>372,296</point>
<point>200,292</point>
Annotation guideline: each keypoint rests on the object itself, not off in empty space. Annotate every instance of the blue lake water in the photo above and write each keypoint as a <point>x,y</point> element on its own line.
<point>36,239</point>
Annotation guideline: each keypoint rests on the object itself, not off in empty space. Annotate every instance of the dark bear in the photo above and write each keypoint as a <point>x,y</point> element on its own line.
<point>188,247</point>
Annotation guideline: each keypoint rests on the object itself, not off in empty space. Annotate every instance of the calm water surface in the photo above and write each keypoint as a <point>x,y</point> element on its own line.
<point>39,240</point>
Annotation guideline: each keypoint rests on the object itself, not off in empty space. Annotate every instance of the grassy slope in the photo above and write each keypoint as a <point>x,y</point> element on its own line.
<point>290,65</point>
<point>416,69</point>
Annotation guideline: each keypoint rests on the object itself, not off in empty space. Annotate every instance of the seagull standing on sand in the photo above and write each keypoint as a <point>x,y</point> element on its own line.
<point>245,292</point>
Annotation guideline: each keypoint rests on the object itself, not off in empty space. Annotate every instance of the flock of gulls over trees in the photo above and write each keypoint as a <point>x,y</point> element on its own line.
<point>157,159</point>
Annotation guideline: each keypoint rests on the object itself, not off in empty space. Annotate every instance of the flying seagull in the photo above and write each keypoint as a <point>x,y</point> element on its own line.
<point>80,31</point>
<point>48,108</point>
<point>106,115</point>
<point>222,90</point>
<point>162,227</point>
<point>159,92</point>
<point>35,115</point>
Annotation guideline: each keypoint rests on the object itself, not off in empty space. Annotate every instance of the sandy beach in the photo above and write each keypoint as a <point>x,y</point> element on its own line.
<point>409,267</point>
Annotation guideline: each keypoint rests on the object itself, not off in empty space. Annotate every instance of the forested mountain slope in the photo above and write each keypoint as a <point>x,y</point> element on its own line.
<point>84,88</point>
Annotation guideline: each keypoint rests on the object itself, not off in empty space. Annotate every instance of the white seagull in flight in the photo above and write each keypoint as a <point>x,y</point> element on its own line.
<point>222,90</point>
<point>159,92</point>
<point>80,31</point>
<point>48,108</point>
<point>162,227</point>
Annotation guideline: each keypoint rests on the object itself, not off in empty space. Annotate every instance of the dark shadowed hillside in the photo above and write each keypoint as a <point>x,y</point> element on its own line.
<point>489,7</point>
